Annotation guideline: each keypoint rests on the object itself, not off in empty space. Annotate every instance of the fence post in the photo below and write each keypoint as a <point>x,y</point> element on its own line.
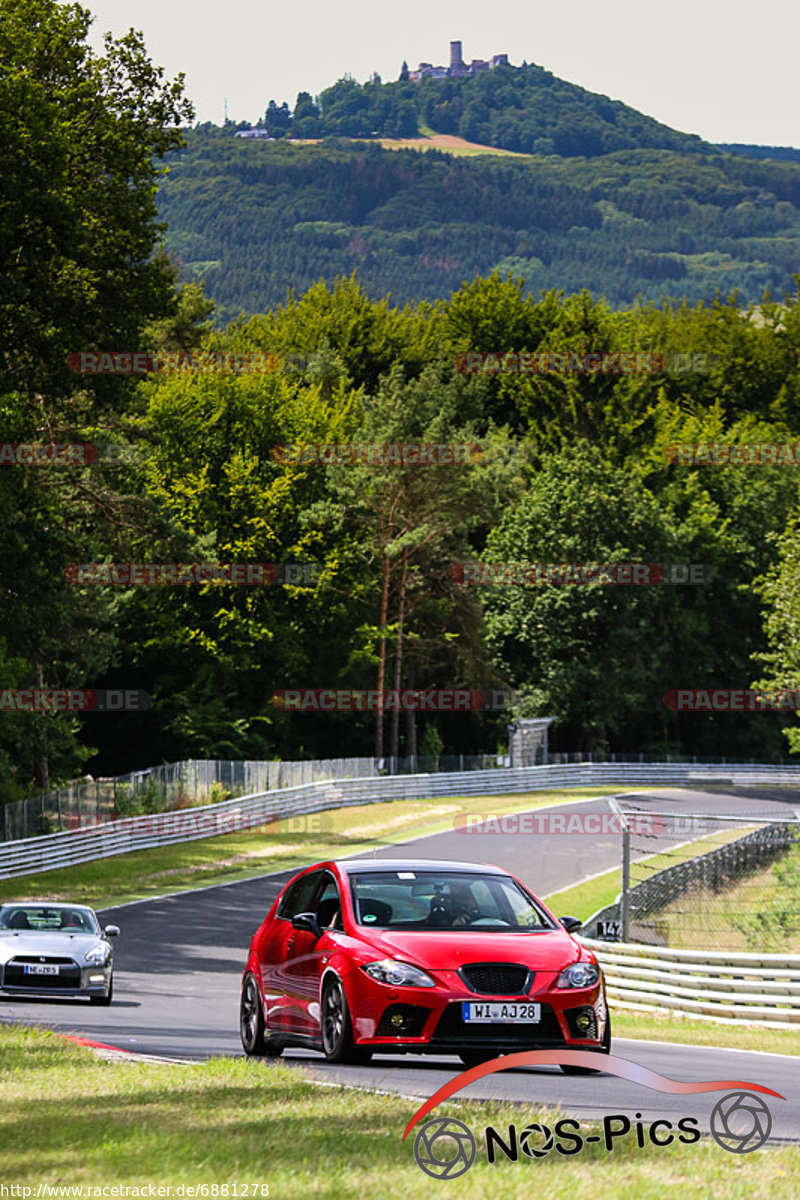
<point>624,906</point>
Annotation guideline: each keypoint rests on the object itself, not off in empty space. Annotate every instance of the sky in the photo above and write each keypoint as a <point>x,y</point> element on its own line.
<point>724,69</point>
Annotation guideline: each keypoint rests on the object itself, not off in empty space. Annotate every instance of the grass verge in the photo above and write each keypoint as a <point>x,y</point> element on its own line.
<point>759,913</point>
<point>583,899</point>
<point>644,1027</point>
<point>72,1119</point>
<point>282,845</point>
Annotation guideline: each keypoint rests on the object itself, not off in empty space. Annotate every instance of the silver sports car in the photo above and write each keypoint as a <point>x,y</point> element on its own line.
<point>55,950</point>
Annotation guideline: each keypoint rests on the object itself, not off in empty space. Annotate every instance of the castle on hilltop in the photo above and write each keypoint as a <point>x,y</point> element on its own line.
<point>458,69</point>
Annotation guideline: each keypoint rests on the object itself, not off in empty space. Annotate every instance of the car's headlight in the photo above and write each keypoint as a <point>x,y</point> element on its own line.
<point>99,953</point>
<point>579,975</point>
<point>398,974</point>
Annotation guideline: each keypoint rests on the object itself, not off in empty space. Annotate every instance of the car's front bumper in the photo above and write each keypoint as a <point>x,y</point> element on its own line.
<point>430,1019</point>
<point>69,983</point>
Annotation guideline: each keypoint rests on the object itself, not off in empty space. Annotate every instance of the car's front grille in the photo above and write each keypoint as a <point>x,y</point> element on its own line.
<point>49,959</point>
<point>497,979</point>
<point>68,977</point>
<point>453,1031</point>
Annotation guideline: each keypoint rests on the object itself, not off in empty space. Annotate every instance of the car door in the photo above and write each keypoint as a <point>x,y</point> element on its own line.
<point>306,956</point>
<point>278,950</point>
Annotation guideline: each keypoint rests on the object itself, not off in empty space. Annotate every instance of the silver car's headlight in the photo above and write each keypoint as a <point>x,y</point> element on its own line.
<point>99,954</point>
<point>398,974</point>
<point>579,975</point>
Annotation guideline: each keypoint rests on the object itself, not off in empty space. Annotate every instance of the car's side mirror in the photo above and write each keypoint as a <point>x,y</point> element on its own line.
<point>307,921</point>
<point>570,923</point>
<point>111,931</point>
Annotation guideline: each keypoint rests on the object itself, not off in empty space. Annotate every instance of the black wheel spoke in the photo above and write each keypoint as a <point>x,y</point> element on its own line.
<point>333,1019</point>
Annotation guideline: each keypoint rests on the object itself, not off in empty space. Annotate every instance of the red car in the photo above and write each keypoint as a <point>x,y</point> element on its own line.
<point>392,956</point>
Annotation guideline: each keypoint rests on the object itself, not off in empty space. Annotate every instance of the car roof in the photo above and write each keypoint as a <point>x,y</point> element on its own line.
<point>353,866</point>
<point>45,904</point>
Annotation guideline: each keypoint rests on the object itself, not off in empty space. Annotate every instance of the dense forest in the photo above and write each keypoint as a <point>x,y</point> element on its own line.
<point>576,466</point>
<point>256,219</point>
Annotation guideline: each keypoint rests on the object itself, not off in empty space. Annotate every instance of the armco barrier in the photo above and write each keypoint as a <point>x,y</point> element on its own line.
<point>50,851</point>
<point>727,987</point>
<point>172,785</point>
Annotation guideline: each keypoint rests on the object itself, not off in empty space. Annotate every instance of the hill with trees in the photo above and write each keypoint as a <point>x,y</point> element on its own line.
<point>253,219</point>
<point>524,108</point>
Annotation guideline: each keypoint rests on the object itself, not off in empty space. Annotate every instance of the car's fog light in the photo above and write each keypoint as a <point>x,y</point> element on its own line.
<point>583,1021</point>
<point>97,979</point>
<point>398,1020</point>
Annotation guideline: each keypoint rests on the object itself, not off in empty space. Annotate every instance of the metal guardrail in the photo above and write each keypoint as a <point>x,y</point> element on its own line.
<point>194,781</point>
<point>727,987</point>
<point>108,838</point>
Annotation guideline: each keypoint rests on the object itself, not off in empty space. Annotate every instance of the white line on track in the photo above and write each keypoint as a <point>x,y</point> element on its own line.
<point>697,1046</point>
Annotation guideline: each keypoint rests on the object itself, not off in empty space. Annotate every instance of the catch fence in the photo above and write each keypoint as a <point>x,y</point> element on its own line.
<point>692,880</point>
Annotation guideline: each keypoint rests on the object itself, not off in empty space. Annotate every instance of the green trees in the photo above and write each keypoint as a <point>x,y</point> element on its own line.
<point>410,521</point>
<point>514,108</point>
<point>780,592</point>
<point>256,219</point>
<point>81,134</point>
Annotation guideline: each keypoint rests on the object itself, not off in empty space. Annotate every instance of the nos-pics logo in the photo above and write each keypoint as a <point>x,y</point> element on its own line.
<point>445,1148</point>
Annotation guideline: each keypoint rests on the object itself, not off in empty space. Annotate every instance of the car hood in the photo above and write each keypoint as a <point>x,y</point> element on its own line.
<point>451,949</point>
<point>72,945</point>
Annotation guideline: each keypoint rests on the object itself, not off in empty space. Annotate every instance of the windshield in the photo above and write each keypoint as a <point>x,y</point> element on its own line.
<point>443,900</point>
<point>51,918</point>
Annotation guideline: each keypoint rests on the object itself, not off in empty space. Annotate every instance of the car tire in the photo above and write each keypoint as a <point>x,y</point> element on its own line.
<point>104,1000</point>
<point>255,1042</point>
<point>337,1028</point>
<point>604,1048</point>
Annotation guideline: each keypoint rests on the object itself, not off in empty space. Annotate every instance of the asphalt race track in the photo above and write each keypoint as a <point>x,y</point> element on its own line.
<point>179,961</point>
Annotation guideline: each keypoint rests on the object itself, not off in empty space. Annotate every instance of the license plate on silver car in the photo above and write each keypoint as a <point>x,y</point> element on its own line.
<point>36,969</point>
<point>515,1013</point>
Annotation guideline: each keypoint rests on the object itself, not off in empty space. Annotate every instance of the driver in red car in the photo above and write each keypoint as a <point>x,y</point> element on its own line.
<point>462,905</point>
